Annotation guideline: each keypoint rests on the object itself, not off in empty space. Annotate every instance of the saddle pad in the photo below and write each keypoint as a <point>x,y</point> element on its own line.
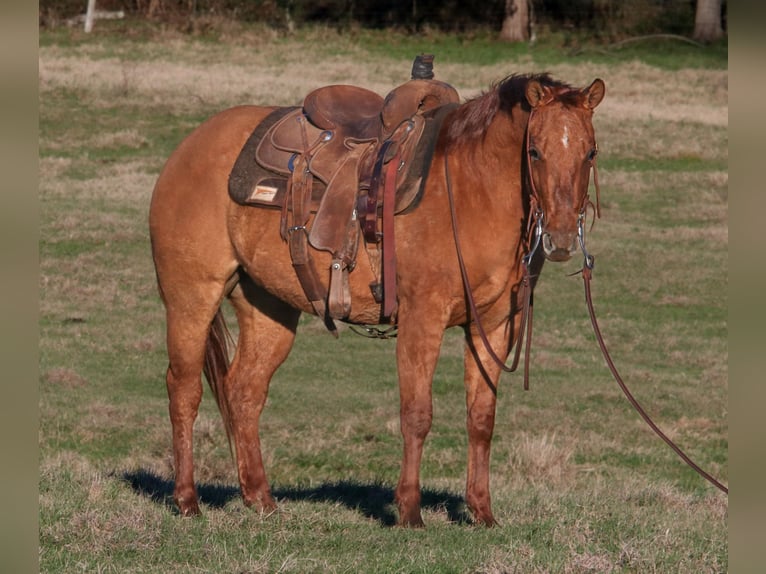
<point>252,184</point>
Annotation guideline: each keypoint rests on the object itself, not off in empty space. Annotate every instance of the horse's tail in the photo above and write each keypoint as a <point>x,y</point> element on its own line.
<point>219,342</point>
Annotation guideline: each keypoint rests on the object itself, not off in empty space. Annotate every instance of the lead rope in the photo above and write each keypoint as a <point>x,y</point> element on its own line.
<point>587,272</point>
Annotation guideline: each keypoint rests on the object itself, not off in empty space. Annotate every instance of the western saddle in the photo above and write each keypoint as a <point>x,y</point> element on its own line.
<point>354,160</point>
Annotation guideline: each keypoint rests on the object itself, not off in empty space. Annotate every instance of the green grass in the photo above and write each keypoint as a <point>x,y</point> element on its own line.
<point>478,47</point>
<point>670,54</point>
<point>579,483</point>
<point>682,164</point>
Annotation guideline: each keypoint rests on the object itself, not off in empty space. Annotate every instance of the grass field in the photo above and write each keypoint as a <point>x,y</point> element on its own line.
<point>580,484</point>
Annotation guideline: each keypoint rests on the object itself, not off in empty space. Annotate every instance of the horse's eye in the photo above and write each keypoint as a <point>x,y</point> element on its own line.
<point>592,154</point>
<point>534,154</point>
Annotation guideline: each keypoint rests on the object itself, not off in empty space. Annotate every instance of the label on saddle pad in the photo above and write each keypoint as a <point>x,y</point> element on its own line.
<point>263,194</point>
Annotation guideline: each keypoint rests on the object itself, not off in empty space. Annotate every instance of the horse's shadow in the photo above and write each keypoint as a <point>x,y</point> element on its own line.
<point>374,501</point>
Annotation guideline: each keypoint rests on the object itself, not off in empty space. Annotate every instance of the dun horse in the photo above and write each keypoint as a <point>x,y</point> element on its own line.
<point>511,162</point>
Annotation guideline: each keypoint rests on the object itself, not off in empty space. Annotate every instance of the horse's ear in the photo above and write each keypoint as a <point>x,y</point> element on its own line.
<point>595,93</point>
<point>536,93</point>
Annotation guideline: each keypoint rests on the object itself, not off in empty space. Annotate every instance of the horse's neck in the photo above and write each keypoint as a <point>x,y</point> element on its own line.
<point>496,156</point>
<point>489,190</point>
<point>507,130</point>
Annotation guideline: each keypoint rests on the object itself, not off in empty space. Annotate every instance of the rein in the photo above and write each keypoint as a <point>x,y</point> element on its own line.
<point>586,275</point>
<point>534,236</point>
<point>535,230</point>
<point>526,290</point>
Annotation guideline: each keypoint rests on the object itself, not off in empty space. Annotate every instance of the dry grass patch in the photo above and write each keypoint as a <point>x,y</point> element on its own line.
<point>52,171</point>
<point>540,460</point>
<point>65,377</point>
<point>238,73</point>
<point>639,92</point>
<point>73,288</point>
<point>129,138</point>
<point>508,561</point>
<point>164,82</point>
<point>99,515</point>
<point>130,181</point>
<point>651,140</point>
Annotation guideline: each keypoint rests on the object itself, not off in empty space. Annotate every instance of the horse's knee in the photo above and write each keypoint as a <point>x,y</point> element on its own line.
<point>184,393</point>
<point>481,424</point>
<point>416,421</point>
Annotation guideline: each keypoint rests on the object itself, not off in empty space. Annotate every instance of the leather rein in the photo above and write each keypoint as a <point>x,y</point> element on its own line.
<point>534,236</point>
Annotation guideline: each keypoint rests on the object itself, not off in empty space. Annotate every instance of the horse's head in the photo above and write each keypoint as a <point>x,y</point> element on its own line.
<point>560,149</point>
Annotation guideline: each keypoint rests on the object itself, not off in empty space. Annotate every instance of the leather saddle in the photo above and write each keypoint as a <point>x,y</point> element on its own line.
<point>352,159</point>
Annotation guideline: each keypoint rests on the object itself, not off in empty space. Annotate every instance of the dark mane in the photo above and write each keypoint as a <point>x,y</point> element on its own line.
<point>473,118</point>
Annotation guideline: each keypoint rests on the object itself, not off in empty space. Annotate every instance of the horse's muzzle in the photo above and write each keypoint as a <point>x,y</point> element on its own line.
<point>559,246</point>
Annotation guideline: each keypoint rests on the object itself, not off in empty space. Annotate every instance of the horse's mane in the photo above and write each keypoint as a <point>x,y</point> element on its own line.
<point>472,119</point>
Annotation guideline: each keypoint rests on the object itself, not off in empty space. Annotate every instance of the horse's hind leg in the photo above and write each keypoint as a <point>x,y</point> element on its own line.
<point>267,331</point>
<point>190,310</point>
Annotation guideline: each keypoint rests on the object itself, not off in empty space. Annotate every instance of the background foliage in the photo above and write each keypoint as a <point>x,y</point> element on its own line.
<point>604,20</point>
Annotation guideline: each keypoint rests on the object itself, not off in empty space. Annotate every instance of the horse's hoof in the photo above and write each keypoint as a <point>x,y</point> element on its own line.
<point>411,520</point>
<point>262,504</point>
<point>189,509</point>
<point>485,519</point>
<point>488,521</point>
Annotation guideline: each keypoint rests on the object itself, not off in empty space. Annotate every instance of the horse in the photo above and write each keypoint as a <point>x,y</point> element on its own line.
<point>510,166</point>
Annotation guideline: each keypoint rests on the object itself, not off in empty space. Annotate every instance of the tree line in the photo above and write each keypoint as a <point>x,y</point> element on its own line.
<point>512,19</point>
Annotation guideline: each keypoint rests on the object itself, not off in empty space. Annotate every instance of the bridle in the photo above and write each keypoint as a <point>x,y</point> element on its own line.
<point>534,237</point>
<point>535,224</point>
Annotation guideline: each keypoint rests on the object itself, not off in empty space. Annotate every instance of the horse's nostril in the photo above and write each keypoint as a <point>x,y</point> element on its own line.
<point>547,243</point>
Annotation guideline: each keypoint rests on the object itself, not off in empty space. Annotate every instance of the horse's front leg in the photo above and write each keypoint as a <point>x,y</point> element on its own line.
<point>481,377</point>
<point>417,352</point>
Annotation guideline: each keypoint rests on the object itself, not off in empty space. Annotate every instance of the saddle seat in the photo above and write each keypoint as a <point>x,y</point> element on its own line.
<point>350,110</point>
<point>333,122</point>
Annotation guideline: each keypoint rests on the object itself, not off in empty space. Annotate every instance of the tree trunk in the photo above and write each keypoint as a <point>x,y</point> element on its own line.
<point>516,21</point>
<point>89,16</point>
<point>707,21</point>
<point>155,7</point>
